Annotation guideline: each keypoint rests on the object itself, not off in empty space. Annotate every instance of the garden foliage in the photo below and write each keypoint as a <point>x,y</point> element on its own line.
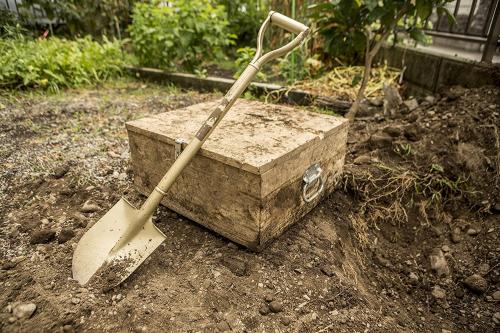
<point>80,18</point>
<point>346,26</point>
<point>55,63</point>
<point>245,18</point>
<point>182,33</point>
<point>360,27</point>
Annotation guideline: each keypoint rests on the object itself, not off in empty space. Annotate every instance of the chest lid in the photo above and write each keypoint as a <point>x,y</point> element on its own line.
<point>253,136</point>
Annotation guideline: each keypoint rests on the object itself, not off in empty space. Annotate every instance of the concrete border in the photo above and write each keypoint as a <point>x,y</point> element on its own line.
<point>280,94</point>
<point>428,72</point>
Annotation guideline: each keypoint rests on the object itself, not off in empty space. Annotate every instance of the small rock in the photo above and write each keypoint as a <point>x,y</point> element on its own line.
<point>430,99</point>
<point>276,306</point>
<point>42,236</point>
<point>459,293</point>
<point>363,159</point>
<point>456,235</point>
<point>413,117</point>
<point>445,331</point>
<point>476,283</point>
<point>496,295</point>
<point>472,232</point>
<point>411,104</point>
<point>439,263</point>
<point>60,171</point>
<point>327,270</point>
<point>122,176</point>
<point>89,207</point>
<point>269,298</point>
<point>230,245</point>
<point>75,300</point>
<point>453,94</point>
<point>236,265</point>
<point>365,110</point>
<point>223,326</point>
<point>445,248</point>
<point>392,131</point>
<point>65,235</point>
<point>380,141</point>
<point>483,269</point>
<point>264,309</point>
<point>438,293</point>
<point>392,100</point>
<point>381,260</point>
<point>24,310</point>
<point>8,265</point>
<point>286,321</point>
<point>376,101</point>
<point>413,278</point>
<point>68,329</point>
<point>496,318</point>
<point>412,132</point>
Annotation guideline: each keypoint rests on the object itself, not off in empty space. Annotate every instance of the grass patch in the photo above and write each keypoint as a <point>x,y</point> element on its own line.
<point>55,63</point>
<point>387,192</point>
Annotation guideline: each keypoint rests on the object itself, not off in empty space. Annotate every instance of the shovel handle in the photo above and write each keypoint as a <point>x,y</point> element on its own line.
<point>287,23</point>
<point>220,111</point>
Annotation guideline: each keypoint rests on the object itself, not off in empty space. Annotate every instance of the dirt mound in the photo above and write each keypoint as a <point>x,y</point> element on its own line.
<point>408,243</point>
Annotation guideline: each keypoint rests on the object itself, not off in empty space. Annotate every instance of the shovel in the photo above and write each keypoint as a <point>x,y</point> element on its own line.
<point>125,236</point>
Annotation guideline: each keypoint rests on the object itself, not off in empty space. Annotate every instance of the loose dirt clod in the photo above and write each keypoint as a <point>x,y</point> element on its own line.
<point>476,283</point>
<point>65,235</point>
<point>42,236</point>
<point>89,207</point>
<point>110,274</point>
<point>24,310</point>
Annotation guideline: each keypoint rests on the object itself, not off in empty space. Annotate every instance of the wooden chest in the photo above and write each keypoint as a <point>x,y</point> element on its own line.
<point>247,181</point>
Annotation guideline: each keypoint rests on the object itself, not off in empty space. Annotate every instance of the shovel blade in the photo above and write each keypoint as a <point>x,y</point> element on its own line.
<point>94,250</point>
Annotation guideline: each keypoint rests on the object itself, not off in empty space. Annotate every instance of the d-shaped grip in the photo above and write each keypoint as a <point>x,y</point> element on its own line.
<point>287,23</point>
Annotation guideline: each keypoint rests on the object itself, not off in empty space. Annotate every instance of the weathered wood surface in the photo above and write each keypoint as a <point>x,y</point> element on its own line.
<point>253,135</point>
<point>246,181</point>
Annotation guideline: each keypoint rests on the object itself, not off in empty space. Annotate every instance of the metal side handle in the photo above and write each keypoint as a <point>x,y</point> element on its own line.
<point>312,177</point>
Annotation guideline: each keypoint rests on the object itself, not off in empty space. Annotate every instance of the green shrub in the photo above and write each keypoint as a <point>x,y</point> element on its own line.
<point>245,18</point>
<point>186,33</point>
<point>55,63</point>
<point>245,55</point>
<point>94,17</point>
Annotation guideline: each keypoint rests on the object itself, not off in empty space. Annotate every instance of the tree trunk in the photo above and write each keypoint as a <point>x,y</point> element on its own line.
<point>369,56</point>
<point>361,92</point>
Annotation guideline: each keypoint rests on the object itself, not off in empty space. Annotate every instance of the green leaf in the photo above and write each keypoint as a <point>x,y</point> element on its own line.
<point>444,11</point>
<point>423,8</point>
<point>418,35</point>
<point>356,79</point>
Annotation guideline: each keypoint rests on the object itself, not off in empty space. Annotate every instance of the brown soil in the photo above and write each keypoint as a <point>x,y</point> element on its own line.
<point>393,249</point>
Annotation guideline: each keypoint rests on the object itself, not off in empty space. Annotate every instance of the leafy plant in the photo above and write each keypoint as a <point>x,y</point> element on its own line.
<point>294,66</point>
<point>55,63</point>
<point>245,55</point>
<point>353,29</point>
<point>245,17</point>
<point>7,20</point>
<point>95,17</point>
<point>184,33</point>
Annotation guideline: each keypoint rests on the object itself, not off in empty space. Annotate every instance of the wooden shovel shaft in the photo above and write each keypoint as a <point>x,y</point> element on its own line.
<point>195,144</point>
<point>150,205</point>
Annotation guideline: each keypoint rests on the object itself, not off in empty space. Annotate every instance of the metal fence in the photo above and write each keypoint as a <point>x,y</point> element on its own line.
<point>36,13</point>
<point>477,21</point>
